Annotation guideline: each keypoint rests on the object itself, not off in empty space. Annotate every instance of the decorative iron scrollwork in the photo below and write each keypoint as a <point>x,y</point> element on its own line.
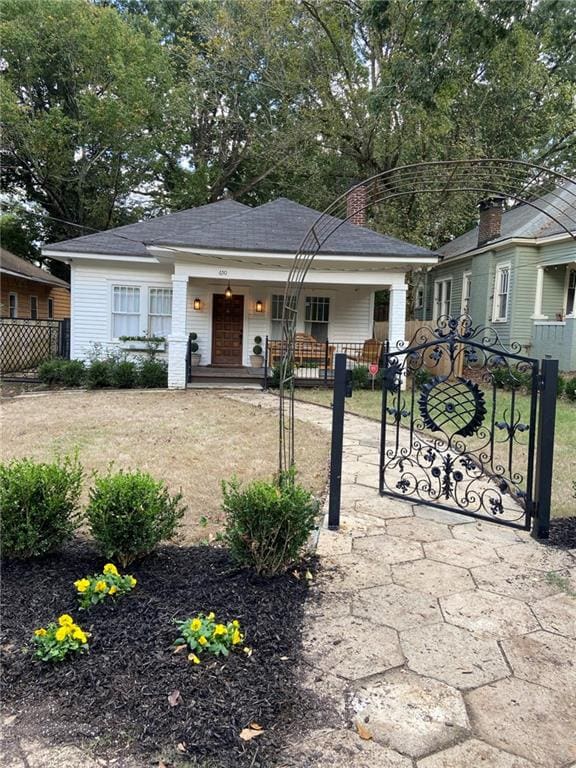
<point>456,432</point>
<point>459,404</point>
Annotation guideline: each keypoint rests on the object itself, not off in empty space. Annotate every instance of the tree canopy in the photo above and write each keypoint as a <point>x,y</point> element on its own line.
<point>114,109</point>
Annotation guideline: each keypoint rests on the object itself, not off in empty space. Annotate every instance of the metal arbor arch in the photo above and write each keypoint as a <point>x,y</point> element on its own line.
<point>515,180</point>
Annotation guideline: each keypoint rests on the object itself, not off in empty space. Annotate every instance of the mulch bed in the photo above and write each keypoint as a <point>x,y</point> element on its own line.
<point>117,695</point>
<point>563,533</point>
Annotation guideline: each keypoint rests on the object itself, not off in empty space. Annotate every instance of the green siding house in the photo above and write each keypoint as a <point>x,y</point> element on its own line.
<point>515,272</point>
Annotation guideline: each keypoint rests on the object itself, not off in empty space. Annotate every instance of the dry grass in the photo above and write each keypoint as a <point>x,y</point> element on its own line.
<point>191,440</point>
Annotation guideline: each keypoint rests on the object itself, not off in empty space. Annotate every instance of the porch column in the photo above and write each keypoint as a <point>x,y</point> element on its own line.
<point>397,315</point>
<point>538,296</point>
<point>177,340</point>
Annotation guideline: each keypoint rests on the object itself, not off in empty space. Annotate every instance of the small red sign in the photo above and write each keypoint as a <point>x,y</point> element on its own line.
<point>373,368</point>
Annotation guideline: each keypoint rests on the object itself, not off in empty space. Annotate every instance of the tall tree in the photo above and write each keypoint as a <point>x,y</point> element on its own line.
<point>82,96</point>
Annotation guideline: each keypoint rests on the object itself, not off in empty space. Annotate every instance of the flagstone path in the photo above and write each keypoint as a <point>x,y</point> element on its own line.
<point>444,641</point>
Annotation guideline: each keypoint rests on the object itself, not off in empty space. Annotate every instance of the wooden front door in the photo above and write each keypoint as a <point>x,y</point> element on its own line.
<point>227,329</point>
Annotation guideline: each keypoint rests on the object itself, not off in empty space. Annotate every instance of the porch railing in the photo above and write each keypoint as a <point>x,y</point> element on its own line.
<point>314,361</point>
<point>555,340</point>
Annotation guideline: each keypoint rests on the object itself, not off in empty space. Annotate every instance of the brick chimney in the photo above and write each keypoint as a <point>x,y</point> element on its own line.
<point>490,224</point>
<point>356,202</point>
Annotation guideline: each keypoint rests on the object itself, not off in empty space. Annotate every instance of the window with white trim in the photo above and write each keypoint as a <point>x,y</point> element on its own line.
<point>13,305</point>
<point>125,311</point>
<point>317,316</point>
<point>501,293</point>
<point>276,317</point>
<point>33,307</point>
<point>160,311</point>
<point>466,290</point>
<point>571,294</point>
<point>419,300</point>
<point>50,309</point>
<point>442,298</point>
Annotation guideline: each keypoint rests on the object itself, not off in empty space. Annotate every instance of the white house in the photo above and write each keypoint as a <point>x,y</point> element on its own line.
<point>168,276</point>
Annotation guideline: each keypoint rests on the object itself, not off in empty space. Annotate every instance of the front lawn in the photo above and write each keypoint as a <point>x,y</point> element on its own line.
<point>369,404</point>
<point>191,440</point>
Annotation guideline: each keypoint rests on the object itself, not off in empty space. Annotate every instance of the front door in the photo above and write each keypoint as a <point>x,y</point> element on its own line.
<point>227,328</point>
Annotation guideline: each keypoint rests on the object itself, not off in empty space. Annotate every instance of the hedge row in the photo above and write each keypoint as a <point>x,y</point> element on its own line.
<point>121,374</point>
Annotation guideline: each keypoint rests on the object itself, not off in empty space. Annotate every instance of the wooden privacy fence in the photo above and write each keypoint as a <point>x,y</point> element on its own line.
<point>381,329</point>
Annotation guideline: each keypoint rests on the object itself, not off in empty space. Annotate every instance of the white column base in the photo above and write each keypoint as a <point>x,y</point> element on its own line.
<point>177,362</point>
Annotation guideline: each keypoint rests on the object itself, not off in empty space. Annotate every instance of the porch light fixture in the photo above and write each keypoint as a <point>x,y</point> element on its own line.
<point>259,306</point>
<point>228,291</point>
<point>197,304</point>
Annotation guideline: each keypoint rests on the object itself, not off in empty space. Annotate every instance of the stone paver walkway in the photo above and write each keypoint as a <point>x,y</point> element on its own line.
<point>446,642</point>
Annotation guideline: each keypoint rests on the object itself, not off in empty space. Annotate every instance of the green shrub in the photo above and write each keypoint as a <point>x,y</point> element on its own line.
<point>130,513</point>
<point>124,375</point>
<point>153,373</point>
<point>504,377</point>
<point>561,386</point>
<point>39,504</point>
<point>99,374</point>
<point>361,378</point>
<point>68,373</point>
<point>268,524</point>
<point>73,373</point>
<point>570,389</point>
<point>50,371</point>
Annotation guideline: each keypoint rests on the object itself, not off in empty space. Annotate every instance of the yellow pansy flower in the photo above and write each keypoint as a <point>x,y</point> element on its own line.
<point>112,590</point>
<point>202,640</point>
<point>65,620</point>
<point>82,585</point>
<point>62,633</point>
<point>193,658</point>
<point>220,630</point>
<point>211,616</point>
<point>237,637</point>
<point>195,625</point>
<point>78,634</point>
<point>40,632</point>
<point>236,623</point>
<point>101,586</point>
<point>132,581</point>
<point>110,568</point>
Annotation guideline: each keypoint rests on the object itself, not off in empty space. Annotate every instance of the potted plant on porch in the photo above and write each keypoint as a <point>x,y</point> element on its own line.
<point>257,358</point>
<point>194,354</point>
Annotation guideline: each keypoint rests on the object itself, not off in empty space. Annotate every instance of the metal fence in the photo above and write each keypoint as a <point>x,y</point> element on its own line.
<point>24,344</point>
<point>314,361</point>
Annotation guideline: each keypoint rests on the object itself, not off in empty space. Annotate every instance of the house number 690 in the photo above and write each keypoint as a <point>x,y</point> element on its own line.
<point>223,272</point>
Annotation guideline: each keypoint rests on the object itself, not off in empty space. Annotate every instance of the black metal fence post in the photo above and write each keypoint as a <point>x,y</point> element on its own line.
<point>339,396</point>
<point>189,359</point>
<point>64,340</point>
<point>326,356</point>
<point>545,451</point>
<point>266,364</point>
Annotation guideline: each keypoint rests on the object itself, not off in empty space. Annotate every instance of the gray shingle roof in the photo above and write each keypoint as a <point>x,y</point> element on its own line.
<point>525,221</point>
<point>131,239</point>
<point>9,262</point>
<point>275,227</point>
<point>280,226</point>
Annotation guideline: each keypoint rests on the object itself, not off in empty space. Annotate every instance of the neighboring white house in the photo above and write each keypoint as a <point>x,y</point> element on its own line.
<point>168,276</point>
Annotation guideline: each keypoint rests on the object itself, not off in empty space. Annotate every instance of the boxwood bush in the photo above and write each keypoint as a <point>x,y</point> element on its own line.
<point>153,373</point>
<point>570,389</point>
<point>130,513</point>
<point>39,504</point>
<point>124,374</point>
<point>66,373</point>
<point>268,523</point>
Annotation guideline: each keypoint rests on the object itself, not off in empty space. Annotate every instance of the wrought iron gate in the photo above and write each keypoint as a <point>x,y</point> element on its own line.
<point>468,425</point>
<point>25,343</point>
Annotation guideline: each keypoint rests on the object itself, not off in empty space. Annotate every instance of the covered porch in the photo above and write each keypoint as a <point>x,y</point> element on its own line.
<point>230,325</point>
<point>554,318</point>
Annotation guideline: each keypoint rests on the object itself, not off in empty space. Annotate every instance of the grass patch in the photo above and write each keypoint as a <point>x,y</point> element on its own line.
<point>369,404</point>
<point>191,440</point>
